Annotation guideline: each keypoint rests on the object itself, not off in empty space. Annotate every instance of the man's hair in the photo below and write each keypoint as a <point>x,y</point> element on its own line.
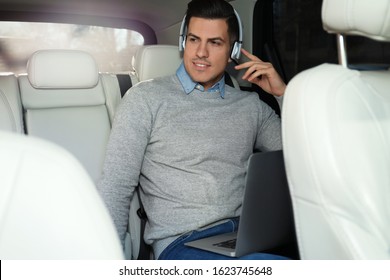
<point>214,9</point>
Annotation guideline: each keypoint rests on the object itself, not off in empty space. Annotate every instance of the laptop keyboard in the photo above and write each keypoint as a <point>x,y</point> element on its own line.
<point>231,244</point>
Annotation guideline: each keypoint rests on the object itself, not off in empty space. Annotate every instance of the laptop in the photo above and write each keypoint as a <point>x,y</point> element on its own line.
<point>266,220</point>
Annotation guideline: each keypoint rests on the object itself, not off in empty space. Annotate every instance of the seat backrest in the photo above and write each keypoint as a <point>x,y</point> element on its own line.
<point>336,135</point>
<point>10,105</point>
<point>49,207</point>
<point>66,101</point>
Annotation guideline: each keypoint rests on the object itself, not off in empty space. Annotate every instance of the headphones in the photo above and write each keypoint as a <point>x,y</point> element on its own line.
<point>236,49</point>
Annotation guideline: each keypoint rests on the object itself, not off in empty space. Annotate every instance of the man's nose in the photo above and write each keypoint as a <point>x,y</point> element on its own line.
<point>202,50</point>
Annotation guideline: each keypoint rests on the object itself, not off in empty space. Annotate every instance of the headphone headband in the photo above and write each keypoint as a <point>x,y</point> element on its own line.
<point>236,49</point>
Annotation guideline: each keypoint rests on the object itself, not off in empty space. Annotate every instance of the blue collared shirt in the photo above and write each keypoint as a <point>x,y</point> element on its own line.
<point>189,85</point>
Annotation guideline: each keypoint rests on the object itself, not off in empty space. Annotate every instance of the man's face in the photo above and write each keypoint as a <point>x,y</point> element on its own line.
<point>207,50</point>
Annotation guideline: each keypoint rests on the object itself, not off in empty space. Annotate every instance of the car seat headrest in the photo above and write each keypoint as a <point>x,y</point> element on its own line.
<point>156,61</point>
<point>62,69</point>
<point>357,17</point>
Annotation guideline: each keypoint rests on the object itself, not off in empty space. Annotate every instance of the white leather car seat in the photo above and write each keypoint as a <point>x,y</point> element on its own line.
<point>336,135</point>
<point>10,104</point>
<point>49,207</point>
<point>68,102</point>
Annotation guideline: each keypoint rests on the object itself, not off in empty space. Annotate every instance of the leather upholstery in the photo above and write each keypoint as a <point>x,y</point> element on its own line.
<point>62,69</point>
<point>336,135</point>
<point>154,61</point>
<point>357,17</point>
<point>67,102</point>
<point>10,104</point>
<point>49,207</point>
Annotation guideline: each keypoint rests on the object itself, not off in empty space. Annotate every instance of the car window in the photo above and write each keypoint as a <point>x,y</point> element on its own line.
<point>112,48</point>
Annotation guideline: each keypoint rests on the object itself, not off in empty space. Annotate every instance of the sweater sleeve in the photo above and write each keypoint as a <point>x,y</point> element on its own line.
<point>269,136</point>
<point>124,156</point>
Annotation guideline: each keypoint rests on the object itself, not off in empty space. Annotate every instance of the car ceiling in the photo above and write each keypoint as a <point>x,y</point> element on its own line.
<point>158,14</point>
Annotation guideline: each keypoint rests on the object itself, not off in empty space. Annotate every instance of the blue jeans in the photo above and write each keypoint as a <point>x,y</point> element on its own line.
<point>178,251</point>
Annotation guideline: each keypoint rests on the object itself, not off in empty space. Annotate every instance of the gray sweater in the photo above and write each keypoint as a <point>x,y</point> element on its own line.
<point>189,152</point>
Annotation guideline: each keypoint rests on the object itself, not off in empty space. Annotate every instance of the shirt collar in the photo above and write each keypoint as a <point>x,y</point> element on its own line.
<point>189,85</point>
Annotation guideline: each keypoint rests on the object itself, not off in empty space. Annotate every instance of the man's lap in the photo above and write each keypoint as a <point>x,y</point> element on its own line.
<point>178,251</point>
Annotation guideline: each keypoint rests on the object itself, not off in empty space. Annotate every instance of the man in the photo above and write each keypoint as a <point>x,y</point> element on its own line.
<point>186,139</point>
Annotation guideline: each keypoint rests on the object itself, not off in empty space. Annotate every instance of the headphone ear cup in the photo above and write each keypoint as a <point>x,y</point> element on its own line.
<point>183,43</point>
<point>182,36</point>
<point>236,51</point>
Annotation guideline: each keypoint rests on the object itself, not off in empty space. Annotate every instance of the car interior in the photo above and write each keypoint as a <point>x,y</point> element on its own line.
<point>58,104</point>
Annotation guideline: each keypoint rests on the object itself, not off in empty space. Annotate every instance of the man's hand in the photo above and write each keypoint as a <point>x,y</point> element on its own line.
<point>262,74</point>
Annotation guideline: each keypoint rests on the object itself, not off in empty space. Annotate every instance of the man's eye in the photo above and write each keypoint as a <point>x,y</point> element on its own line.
<point>216,43</point>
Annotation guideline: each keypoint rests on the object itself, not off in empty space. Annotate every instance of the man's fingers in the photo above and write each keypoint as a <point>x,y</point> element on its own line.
<point>245,65</point>
<point>256,70</point>
<point>252,60</point>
